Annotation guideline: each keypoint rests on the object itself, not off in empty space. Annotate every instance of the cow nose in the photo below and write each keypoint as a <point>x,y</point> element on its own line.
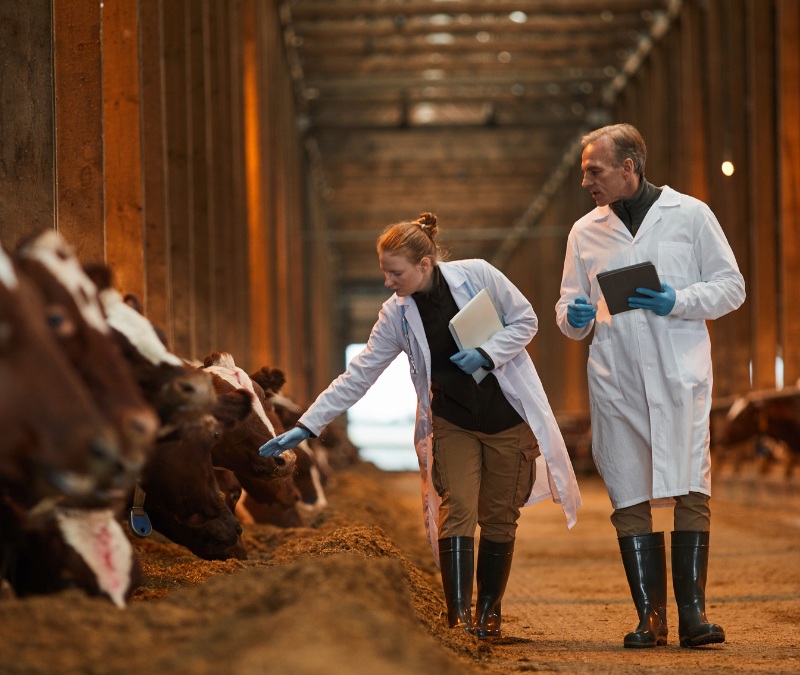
<point>104,452</point>
<point>238,529</point>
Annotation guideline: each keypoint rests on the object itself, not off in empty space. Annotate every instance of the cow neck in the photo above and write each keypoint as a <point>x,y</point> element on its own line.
<point>7,276</point>
<point>57,257</point>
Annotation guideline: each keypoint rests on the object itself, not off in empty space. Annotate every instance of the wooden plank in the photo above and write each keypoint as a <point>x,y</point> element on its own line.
<point>240,274</point>
<point>27,124</point>
<point>201,196</point>
<point>79,127</point>
<point>178,127</point>
<point>763,290</point>
<point>789,114</point>
<point>258,244</point>
<point>122,143</point>
<point>157,302</point>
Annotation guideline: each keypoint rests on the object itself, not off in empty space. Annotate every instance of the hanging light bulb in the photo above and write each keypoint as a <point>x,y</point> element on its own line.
<point>727,168</point>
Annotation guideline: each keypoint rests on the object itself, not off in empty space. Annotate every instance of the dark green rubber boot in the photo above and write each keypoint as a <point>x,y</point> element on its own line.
<point>645,561</point>
<point>457,562</point>
<point>494,566</point>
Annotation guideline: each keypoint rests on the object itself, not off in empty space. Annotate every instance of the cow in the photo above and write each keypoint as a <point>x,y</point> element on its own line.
<point>307,475</point>
<point>54,440</point>
<point>53,547</point>
<point>276,505</point>
<point>175,390</point>
<point>771,413</point>
<point>182,497</point>
<point>232,491</point>
<point>73,311</point>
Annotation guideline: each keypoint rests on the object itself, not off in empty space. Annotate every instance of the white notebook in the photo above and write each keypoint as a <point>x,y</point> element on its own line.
<point>475,323</point>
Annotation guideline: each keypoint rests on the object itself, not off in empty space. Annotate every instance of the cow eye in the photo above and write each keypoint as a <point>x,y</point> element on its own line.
<point>59,321</point>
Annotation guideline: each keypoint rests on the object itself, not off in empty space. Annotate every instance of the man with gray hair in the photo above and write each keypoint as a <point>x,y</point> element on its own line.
<point>650,371</point>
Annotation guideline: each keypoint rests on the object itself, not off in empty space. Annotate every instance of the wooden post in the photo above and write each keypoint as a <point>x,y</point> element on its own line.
<point>201,195</point>
<point>27,142</point>
<point>79,126</point>
<point>258,244</point>
<point>123,173</point>
<point>789,156</point>
<point>157,303</point>
<point>178,131</point>
<point>763,291</point>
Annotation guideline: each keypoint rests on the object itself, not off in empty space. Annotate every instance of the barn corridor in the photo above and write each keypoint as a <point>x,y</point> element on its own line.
<point>191,192</point>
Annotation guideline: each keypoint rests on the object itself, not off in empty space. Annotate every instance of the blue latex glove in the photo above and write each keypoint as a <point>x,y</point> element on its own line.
<point>469,360</point>
<point>660,303</point>
<point>580,313</point>
<point>286,441</point>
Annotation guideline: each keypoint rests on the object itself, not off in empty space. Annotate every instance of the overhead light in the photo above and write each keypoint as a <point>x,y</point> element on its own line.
<point>433,74</point>
<point>483,36</point>
<point>441,19</point>
<point>518,17</point>
<point>728,168</point>
<point>517,90</point>
<point>440,38</point>
<point>504,57</point>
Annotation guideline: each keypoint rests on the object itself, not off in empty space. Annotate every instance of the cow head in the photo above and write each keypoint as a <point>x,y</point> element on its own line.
<point>175,390</point>
<point>238,449</point>
<point>53,438</point>
<point>183,498</point>
<point>233,491</point>
<point>79,326</point>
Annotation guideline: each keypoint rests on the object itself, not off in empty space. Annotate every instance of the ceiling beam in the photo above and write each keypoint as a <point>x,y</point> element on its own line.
<point>448,234</point>
<point>317,9</point>
<point>534,25</point>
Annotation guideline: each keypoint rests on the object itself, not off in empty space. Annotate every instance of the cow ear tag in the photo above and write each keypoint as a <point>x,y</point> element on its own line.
<point>139,523</point>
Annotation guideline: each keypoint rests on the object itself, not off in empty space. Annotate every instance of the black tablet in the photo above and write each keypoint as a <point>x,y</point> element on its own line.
<point>621,284</point>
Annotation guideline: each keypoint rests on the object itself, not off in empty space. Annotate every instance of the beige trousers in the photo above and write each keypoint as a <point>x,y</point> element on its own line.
<point>691,513</point>
<point>482,479</point>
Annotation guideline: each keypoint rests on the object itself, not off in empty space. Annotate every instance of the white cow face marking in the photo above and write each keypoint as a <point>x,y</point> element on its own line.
<point>7,276</point>
<point>136,328</point>
<point>57,256</point>
<point>99,540</point>
<point>225,368</point>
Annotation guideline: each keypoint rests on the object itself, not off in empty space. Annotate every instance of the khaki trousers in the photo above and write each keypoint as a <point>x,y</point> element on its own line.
<point>691,513</point>
<point>482,479</point>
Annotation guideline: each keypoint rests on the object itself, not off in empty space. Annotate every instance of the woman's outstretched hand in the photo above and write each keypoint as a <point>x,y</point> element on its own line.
<point>286,441</point>
<point>469,360</point>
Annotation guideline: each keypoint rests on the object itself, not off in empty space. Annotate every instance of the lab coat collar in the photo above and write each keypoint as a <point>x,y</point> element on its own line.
<point>453,275</point>
<point>668,199</point>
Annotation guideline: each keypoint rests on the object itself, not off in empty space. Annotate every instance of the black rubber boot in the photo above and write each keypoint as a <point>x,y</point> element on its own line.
<point>494,566</point>
<point>645,561</point>
<point>689,572</point>
<point>457,562</point>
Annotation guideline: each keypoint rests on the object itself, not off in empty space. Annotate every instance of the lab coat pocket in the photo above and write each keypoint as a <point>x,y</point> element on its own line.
<point>674,259</point>
<point>527,473</point>
<point>692,350</point>
<point>602,371</point>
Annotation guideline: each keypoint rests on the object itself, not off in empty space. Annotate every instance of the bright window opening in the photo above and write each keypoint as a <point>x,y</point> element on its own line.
<point>382,423</point>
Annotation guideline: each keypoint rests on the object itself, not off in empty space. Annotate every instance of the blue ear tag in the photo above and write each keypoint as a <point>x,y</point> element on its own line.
<point>139,523</point>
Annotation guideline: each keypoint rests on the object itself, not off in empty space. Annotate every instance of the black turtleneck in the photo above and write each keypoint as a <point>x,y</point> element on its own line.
<point>632,211</point>
<point>456,396</point>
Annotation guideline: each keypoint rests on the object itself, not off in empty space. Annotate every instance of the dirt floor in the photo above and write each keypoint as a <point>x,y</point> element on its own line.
<point>357,592</point>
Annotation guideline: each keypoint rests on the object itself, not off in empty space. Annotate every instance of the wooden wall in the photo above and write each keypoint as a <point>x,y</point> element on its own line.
<point>722,85</point>
<point>168,149</point>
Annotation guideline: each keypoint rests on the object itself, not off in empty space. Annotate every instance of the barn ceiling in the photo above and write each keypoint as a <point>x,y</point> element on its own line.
<point>465,108</point>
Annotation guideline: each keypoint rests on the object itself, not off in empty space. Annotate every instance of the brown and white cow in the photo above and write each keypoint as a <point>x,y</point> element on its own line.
<point>52,547</point>
<point>175,390</point>
<point>183,498</point>
<point>53,438</point>
<point>79,326</point>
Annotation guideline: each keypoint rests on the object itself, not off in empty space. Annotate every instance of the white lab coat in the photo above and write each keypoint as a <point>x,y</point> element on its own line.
<point>514,369</point>
<point>650,376</point>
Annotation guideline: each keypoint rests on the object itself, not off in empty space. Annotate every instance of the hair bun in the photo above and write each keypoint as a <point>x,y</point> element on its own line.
<point>427,223</point>
<point>427,219</point>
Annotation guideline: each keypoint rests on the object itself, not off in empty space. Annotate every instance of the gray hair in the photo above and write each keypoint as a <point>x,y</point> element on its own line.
<point>626,141</point>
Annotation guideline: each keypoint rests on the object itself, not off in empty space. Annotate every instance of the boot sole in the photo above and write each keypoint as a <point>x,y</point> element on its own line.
<point>661,642</point>
<point>713,639</point>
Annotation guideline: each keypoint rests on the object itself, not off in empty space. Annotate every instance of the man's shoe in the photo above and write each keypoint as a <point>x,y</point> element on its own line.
<point>645,562</point>
<point>689,572</point>
<point>457,562</point>
<point>494,566</point>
